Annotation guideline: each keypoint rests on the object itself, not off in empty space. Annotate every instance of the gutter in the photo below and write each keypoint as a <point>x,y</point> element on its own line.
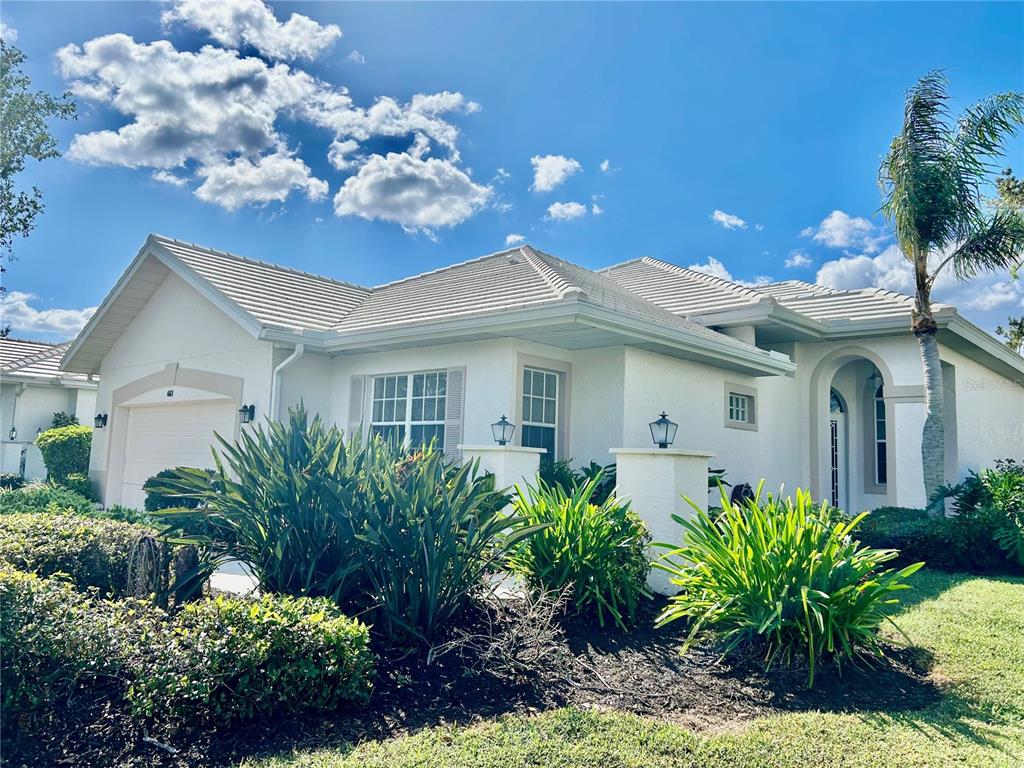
<point>275,383</point>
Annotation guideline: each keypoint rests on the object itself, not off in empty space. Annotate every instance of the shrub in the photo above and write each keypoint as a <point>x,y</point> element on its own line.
<point>44,497</point>
<point>560,474</point>
<point>156,499</point>
<point>600,549</point>
<point>429,533</point>
<point>11,480</point>
<point>784,575</point>
<point>80,484</point>
<point>92,552</point>
<point>229,659</point>
<point>65,450</point>
<point>64,419</point>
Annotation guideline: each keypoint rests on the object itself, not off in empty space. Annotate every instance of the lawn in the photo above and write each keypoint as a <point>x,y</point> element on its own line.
<point>972,627</point>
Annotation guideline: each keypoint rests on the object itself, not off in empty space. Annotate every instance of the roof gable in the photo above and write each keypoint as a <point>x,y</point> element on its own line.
<point>32,359</point>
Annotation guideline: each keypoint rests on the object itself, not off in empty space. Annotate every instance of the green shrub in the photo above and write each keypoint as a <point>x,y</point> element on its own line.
<point>44,497</point>
<point>560,474</point>
<point>429,533</point>
<point>80,484</point>
<point>230,659</point>
<point>64,419</point>
<point>782,575</point>
<point>65,450</point>
<point>598,548</point>
<point>92,552</point>
<point>11,481</point>
<point>993,500</point>
<point>156,499</point>
<point>55,640</point>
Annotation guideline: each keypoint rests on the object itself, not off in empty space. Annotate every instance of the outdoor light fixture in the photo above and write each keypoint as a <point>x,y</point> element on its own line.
<point>502,430</point>
<point>663,431</point>
<point>13,434</point>
<point>875,380</point>
<point>100,421</point>
<point>247,413</point>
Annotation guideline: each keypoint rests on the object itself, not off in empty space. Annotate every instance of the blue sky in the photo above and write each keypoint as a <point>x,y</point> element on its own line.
<point>645,119</point>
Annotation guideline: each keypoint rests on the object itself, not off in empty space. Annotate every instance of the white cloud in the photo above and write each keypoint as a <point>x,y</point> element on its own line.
<point>339,151</point>
<point>270,179</point>
<point>798,259</point>
<point>566,211</point>
<point>728,220</point>
<point>501,175</point>
<point>840,230</point>
<point>356,58</point>
<point>606,166</point>
<point>551,170</point>
<point>759,227</point>
<point>418,194</point>
<point>596,209</point>
<point>993,295</point>
<point>251,22</point>
<point>166,177</point>
<point>17,312</point>
<point>716,268</point>
<point>8,33</point>
<point>514,239</point>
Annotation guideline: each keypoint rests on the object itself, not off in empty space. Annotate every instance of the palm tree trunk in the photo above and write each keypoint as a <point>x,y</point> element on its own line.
<point>933,436</point>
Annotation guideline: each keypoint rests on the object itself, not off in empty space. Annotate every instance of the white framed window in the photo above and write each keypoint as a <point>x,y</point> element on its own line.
<point>881,467</point>
<point>540,411</point>
<point>410,408</point>
<point>740,406</point>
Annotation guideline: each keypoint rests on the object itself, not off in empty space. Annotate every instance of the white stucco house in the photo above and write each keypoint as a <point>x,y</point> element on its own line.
<point>32,389</point>
<point>791,382</point>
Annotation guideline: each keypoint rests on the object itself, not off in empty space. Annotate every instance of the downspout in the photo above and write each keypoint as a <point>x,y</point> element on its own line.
<point>275,384</point>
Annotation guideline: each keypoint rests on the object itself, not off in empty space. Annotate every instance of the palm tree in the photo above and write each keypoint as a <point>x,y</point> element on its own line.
<point>931,182</point>
<point>1013,333</point>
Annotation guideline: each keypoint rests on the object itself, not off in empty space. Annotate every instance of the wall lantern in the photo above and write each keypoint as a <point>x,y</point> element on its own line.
<point>100,421</point>
<point>875,380</point>
<point>13,434</point>
<point>247,413</point>
<point>663,431</point>
<point>502,430</point>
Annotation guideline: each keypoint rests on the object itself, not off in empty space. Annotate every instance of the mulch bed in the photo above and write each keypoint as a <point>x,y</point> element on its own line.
<point>639,671</point>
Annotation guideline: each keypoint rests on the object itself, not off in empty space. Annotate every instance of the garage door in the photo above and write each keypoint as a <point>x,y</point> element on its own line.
<point>165,436</point>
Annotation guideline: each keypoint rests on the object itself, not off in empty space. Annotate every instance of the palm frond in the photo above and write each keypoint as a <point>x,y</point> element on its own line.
<point>996,244</point>
<point>983,128</point>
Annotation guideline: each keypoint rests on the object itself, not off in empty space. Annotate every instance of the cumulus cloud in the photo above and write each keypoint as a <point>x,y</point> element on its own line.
<point>17,311</point>
<point>270,178</point>
<point>8,33</point>
<point>419,194</point>
<point>551,170</point>
<point>798,259</point>
<point>728,220</point>
<point>606,166</point>
<point>716,268</point>
<point>566,211</point>
<point>341,154</point>
<point>514,239</point>
<point>840,230</point>
<point>356,58</point>
<point>251,22</point>
<point>166,177</point>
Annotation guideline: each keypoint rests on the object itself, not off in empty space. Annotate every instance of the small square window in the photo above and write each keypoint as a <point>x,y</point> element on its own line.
<point>740,407</point>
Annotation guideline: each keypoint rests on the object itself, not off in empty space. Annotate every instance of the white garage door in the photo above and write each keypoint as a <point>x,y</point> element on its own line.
<point>160,437</point>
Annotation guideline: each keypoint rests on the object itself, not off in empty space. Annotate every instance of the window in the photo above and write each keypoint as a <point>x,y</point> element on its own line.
<point>540,411</point>
<point>881,472</point>
<point>740,406</point>
<point>410,408</point>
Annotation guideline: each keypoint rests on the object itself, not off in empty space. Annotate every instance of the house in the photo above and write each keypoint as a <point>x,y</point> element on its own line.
<point>32,389</point>
<point>795,383</point>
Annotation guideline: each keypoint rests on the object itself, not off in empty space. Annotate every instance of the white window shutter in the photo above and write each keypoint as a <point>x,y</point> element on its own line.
<point>356,389</point>
<point>454,410</point>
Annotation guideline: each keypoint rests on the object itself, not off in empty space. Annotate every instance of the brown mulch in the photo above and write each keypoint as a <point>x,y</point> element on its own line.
<point>640,671</point>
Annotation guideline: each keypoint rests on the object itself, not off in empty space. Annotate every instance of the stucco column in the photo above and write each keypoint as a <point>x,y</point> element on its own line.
<point>906,429</point>
<point>510,464</point>
<point>655,480</point>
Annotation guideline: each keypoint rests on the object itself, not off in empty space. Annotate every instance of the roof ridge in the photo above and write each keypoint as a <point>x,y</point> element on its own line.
<point>620,264</point>
<point>45,354</point>
<point>445,268</point>
<point>261,262</point>
<point>538,260</point>
<point>704,277</point>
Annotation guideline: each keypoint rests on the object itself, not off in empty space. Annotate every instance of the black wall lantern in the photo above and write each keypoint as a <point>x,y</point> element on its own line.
<point>247,413</point>
<point>663,431</point>
<point>13,434</point>
<point>100,421</point>
<point>502,430</point>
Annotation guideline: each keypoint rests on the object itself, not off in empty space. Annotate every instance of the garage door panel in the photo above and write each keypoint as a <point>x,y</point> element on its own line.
<point>178,435</point>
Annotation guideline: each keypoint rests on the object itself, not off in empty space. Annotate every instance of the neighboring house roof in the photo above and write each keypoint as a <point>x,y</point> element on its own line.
<point>788,289</point>
<point>23,359</point>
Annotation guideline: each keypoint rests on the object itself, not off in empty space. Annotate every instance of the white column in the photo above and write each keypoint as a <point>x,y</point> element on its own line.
<point>510,464</point>
<point>906,429</point>
<point>655,480</point>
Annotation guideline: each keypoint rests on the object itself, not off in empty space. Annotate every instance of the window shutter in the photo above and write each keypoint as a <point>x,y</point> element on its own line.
<point>356,388</point>
<point>454,408</point>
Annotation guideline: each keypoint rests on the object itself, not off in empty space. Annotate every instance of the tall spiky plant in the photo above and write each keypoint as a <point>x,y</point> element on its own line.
<point>932,182</point>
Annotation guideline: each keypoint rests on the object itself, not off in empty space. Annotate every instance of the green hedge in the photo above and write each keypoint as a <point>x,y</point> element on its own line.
<point>44,497</point>
<point>230,659</point>
<point>65,450</point>
<point>217,661</point>
<point>93,552</point>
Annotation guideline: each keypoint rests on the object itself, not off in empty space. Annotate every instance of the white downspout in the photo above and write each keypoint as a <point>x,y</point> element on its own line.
<point>275,384</point>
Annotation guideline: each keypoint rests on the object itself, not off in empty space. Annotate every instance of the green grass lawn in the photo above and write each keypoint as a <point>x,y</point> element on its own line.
<point>973,626</point>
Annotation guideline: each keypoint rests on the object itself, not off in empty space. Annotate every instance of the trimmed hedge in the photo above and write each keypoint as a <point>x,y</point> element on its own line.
<point>217,661</point>
<point>65,450</point>
<point>93,552</point>
<point>44,497</point>
<point>80,483</point>
<point>229,659</point>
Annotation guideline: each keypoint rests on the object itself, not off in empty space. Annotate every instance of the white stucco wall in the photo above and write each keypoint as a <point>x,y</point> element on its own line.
<point>307,380</point>
<point>178,326</point>
<point>35,408</point>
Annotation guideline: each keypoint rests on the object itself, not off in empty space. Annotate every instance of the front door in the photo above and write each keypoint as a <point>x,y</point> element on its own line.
<point>837,452</point>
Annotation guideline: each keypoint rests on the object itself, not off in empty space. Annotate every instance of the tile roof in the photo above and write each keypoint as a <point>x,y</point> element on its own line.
<point>274,295</point>
<point>788,289</point>
<point>679,290</point>
<point>35,359</point>
<point>863,304</point>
